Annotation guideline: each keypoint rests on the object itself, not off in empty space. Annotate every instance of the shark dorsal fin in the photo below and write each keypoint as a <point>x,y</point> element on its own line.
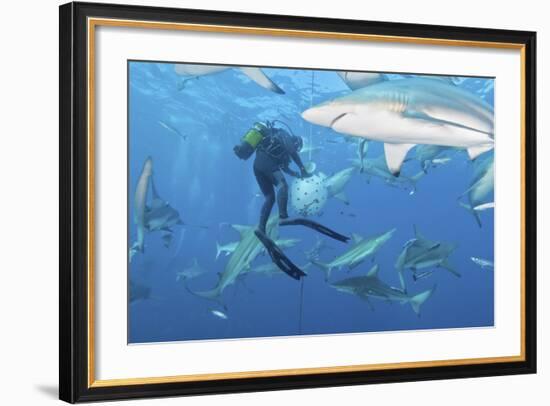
<point>241,229</point>
<point>374,270</point>
<point>356,238</point>
<point>417,233</point>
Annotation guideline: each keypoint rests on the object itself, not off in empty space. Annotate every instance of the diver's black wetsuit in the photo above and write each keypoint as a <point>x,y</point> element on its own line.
<point>269,163</point>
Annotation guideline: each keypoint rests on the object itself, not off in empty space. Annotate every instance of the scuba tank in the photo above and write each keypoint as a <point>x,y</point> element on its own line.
<point>251,140</point>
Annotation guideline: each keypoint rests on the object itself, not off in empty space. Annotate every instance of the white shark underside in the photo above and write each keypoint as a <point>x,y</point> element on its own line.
<point>406,112</point>
<point>255,74</point>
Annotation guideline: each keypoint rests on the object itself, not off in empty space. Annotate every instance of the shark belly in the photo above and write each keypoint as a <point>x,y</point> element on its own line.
<point>396,128</point>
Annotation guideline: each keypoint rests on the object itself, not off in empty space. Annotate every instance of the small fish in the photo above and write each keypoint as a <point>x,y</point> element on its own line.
<point>172,130</point>
<point>219,314</point>
<point>440,161</point>
<point>483,263</point>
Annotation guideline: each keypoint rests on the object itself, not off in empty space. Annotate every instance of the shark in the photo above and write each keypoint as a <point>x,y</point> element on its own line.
<point>336,184</point>
<point>270,269</point>
<point>248,248</point>
<point>420,253</point>
<point>406,112</point>
<point>432,155</point>
<point>255,74</point>
<point>376,167</point>
<point>190,272</point>
<point>362,248</point>
<point>156,216</point>
<point>315,251</point>
<point>481,188</point>
<point>229,248</point>
<point>140,200</point>
<point>371,286</point>
<point>159,215</point>
<point>226,249</point>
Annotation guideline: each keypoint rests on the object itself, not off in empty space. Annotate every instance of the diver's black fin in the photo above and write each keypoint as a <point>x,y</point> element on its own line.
<point>315,226</point>
<point>278,257</point>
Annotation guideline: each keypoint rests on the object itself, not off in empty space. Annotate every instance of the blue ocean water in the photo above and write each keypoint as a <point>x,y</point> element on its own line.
<point>189,127</point>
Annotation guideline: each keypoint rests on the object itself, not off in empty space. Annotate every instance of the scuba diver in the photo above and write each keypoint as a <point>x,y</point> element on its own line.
<point>275,149</point>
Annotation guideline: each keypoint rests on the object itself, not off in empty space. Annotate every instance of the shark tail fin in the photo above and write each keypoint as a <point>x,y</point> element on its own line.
<point>212,294</point>
<point>473,211</point>
<point>325,267</point>
<point>417,300</point>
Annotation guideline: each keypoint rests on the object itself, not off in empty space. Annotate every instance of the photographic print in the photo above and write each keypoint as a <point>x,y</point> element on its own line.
<point>268,202</point>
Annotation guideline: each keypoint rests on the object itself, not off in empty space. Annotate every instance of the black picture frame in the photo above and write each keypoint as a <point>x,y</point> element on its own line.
<point>74,384</point>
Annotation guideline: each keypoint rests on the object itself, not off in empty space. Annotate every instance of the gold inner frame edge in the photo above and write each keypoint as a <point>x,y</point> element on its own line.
<point>94,22</point>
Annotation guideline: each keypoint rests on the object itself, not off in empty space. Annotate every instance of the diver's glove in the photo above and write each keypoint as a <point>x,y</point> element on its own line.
<point>304,173</point>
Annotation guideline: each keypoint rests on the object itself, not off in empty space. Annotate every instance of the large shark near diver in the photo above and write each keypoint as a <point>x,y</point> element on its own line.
<point>371,286</point>
<point>420,253</point>
<point>246,251</point>
<point>255,74</point>
<point>363,248</point>
<point>482,185</point>
<point>406,112</point>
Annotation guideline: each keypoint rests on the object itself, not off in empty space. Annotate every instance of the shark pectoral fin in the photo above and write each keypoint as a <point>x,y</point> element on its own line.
<point>257,75</point>
<point>395,155</point>
<point>473,211</point>
<point>374,270</point>
<point>341,196</point>
<point>366,299</point>
<point>241,229</point>
<point>474,152</point>
<point>401,279</point>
